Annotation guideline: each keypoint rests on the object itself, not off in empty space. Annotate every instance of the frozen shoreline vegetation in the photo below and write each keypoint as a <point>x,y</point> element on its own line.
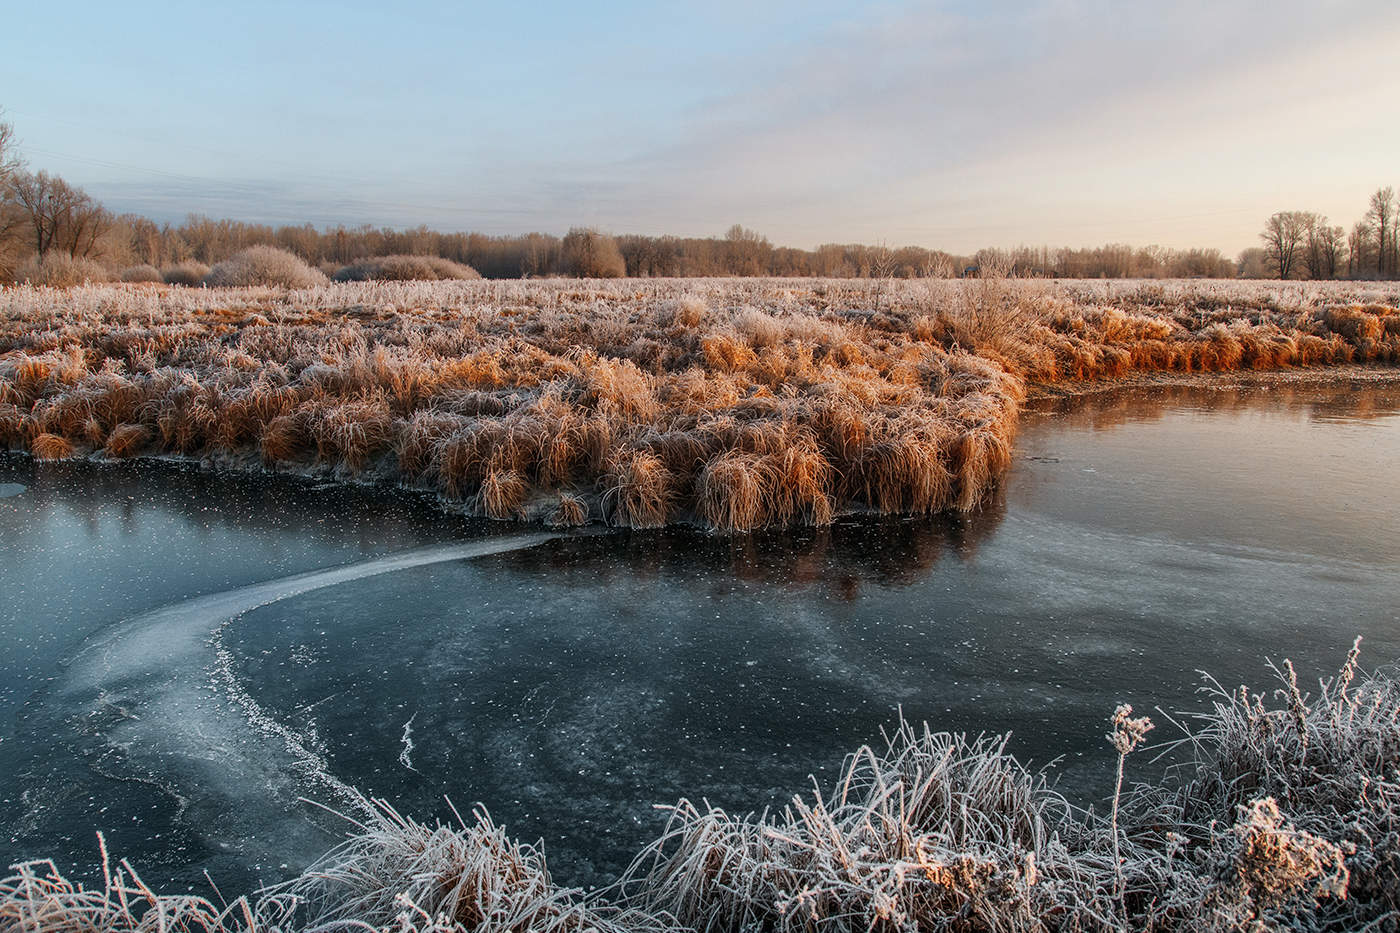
<point>730,403</point>
<point>1282,812</point>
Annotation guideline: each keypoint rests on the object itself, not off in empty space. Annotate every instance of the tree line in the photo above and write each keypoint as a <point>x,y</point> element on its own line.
<point>43,215</point>
<point>1305,245</point>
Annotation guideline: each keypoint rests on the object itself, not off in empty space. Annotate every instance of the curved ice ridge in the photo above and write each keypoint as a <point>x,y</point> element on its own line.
<point>406,756</point>
<point>147,680</point>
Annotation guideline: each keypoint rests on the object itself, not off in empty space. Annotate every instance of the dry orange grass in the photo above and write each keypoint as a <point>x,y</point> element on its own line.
<point>126,440</point>
<point>638,489</point>
<point>733,403</point>
<point>51,447</point>
<point>571,511</point>
<point>502,493</point>
<point>734,489</point>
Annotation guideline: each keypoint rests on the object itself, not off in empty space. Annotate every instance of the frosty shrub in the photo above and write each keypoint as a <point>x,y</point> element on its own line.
<point>141,273</point>
<point>59,270</point>
<point>405,269</point>
<point>264,265</point>
<point>188,273</point>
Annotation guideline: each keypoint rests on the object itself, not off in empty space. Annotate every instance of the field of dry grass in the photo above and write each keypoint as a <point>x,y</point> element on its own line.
<point>1283,814</point>
<point>731,403</point>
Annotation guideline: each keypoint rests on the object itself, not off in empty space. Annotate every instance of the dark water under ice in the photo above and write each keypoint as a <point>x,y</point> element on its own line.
<point>185,655</point>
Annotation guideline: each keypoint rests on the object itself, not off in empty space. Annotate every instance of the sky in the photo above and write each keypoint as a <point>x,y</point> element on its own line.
<point>951,125</point>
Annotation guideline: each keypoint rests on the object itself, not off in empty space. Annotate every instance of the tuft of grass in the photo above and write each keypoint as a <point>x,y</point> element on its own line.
<point>398,874</point>
<point>733,490</point>
<point>37,898</point>
<point>571,512</point>
<point>15,426</point>
<point>51,447</point>
<point>637,489</point>
<point>931,831</point>
<point>502,493</point>
<point>126,440</point>
<point>1329,760</point>
<point>285,439</point>
<point>350,432</point>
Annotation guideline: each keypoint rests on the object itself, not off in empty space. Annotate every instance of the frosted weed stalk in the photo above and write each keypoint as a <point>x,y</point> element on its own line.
<point>1128,733</point>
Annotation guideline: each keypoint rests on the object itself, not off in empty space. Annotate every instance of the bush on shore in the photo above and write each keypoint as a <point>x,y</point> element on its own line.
<point>141,274</point>
<point>60,270</point>
<point>188,273</point>
<point>404,269</point>
<point>266,266</point>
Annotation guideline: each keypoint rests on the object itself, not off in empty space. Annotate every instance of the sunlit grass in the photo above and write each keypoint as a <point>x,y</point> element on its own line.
<point>730,403</point>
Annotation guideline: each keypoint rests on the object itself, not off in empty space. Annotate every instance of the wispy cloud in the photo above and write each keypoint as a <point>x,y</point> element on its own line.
<point>1068,121</point>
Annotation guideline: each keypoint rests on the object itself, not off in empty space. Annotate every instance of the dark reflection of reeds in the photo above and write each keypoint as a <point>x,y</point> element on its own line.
<point>844,557</point>
<point>1344,400</point>
<point>854,551</point>
<point>372,517</point>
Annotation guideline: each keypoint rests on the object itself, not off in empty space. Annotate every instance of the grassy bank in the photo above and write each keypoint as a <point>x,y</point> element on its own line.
<point>1282,813</point>
<point>730,403</point>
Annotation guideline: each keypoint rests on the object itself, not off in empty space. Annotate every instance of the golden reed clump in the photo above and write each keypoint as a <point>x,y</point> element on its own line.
<point>51,447</point>
<point>733,403</point>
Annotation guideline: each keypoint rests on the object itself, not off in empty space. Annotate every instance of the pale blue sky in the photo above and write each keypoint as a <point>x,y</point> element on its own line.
<point>952,125</point>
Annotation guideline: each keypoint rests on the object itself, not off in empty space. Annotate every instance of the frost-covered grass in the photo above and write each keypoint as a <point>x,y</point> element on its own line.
<point>732,403</point>
<point>1283,817</point>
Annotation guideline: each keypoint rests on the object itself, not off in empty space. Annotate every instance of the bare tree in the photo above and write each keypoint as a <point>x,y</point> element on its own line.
<point>746,251</point>
<point>1283,237</point>
<point>1253,263</point>
<point>144,239</point>
<point>1322,247</point>
<point>1358,244</point>
<point>9,157</point>
<point>59,215</point>
<point>1381,215</point>
<point>1332,241</point>
<point>11,217</point>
